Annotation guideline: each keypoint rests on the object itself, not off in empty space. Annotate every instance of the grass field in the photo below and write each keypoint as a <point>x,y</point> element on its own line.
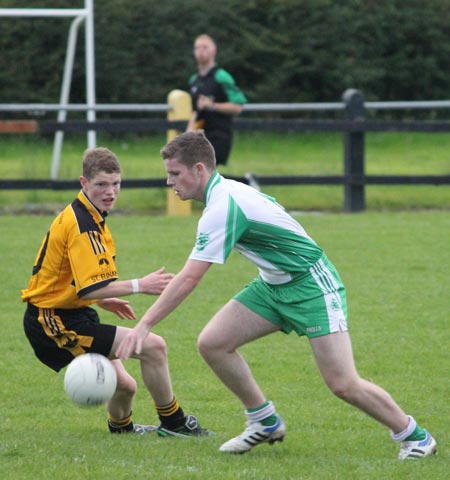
<point>395,266</point>
<point>260,153</point>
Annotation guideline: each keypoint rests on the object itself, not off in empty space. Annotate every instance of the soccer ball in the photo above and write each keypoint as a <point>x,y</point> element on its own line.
<point>90,379</point>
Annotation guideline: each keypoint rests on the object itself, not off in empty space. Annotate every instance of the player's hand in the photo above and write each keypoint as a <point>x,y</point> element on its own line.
<point>154,283</point>
<point>204,102</point>
<point>121,308</point>
<point>132,343</point>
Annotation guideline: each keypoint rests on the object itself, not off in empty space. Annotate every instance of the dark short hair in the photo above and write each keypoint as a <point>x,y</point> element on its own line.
<point>99,159</point>
<point>190,148</point>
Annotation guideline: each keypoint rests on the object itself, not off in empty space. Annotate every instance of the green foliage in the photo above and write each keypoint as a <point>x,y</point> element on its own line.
<point>397,287</point>
<point>278,51</point>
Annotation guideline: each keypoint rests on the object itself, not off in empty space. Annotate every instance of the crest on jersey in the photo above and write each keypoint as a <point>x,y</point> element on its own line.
<point>202,241</point>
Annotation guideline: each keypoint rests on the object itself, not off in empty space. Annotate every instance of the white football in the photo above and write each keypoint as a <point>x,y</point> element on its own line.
<point>90,379</point>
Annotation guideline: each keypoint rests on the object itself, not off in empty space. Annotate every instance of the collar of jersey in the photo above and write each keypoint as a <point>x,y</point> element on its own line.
<point>212,182</point>
<point>84,199</point>
<point>210,72</point>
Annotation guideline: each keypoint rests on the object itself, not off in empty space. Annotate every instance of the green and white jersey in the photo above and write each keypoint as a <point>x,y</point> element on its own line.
<point>238,216</point>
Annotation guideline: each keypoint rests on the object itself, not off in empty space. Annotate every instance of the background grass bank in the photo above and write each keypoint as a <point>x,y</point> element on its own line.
<point>261,153</point>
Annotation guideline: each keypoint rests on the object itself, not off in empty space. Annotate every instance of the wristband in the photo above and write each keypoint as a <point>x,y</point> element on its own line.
<point>135,285</point>
<point>212,108</point>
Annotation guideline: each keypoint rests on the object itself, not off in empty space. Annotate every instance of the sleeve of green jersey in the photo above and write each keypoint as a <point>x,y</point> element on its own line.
<point>234,93</point>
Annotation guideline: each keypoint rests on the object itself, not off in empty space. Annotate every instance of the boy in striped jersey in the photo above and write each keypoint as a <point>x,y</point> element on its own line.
<point>75,268</point>
<point>298,289</point>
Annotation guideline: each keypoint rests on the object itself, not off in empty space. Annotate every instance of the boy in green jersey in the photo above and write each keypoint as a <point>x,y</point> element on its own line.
<point>297,289</point>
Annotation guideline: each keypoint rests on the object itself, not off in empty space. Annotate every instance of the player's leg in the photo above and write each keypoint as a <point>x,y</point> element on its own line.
<point>156,377</point>
<point>154,365</point>
<point>221,142</point>
<point>121,404</point>
<point>322,316</point>
<point>233,326</point>
<point>334,357</point>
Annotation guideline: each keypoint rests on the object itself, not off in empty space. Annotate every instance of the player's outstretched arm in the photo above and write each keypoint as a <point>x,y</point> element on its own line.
<point>177,290</point>
<point>152,284</point>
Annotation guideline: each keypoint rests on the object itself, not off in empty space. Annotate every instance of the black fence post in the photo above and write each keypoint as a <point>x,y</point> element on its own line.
<point>354,195</point>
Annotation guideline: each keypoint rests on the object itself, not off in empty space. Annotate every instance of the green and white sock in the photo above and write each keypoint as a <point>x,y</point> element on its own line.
<point>265,413</point>
<point>412,432</point>
<point>418,434</point>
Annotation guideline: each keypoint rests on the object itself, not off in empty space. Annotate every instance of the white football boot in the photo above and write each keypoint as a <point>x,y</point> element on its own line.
<point>418,449</point>
<point>253,435</point>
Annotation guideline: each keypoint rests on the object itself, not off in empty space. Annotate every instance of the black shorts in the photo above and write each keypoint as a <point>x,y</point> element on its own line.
<point>59,335</point>
<point>221,141</point>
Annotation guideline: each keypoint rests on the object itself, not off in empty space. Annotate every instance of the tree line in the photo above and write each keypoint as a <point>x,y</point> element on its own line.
<point>277,50</point>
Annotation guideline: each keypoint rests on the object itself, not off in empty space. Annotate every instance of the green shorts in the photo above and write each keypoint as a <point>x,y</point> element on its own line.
<point>315,304</point>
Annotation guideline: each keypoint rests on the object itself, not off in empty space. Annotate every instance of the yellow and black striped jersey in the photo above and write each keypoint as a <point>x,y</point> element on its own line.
<point>77,256</point>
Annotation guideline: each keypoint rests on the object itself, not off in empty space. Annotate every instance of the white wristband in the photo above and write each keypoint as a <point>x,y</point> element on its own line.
<point>135,285</point>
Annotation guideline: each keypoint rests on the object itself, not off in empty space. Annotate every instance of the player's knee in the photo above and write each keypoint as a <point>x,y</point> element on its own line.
<point>126,385</point>
<point>155,348</point>
<point>203,344</point>
<point>208,345</point>
<point>342,388</point>
<point>340,391</point>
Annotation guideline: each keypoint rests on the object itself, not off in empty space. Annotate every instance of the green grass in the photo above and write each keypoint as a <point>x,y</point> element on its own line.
<point>395,266</point>
<point>260,153</point>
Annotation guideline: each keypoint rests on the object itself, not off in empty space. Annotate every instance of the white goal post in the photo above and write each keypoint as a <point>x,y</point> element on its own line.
<point>79,15</point>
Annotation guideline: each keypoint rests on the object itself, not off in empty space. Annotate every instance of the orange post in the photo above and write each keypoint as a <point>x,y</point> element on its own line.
<point>180,109</point>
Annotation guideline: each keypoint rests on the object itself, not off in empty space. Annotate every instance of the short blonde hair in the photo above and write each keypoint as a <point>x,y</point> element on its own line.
<point>205,36</point>
<point>99,159</point>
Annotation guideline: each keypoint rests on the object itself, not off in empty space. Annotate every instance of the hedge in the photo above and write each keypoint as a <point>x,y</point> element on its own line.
<point>278,50</point>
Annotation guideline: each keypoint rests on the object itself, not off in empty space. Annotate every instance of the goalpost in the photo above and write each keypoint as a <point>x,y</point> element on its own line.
<point>80,15</point>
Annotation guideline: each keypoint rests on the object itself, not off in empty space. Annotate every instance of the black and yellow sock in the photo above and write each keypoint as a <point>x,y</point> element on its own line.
<point>124,425</point>
<point>171,415</point>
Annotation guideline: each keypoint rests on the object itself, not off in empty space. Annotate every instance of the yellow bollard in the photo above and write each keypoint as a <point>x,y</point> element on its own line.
<point>180,109</point>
